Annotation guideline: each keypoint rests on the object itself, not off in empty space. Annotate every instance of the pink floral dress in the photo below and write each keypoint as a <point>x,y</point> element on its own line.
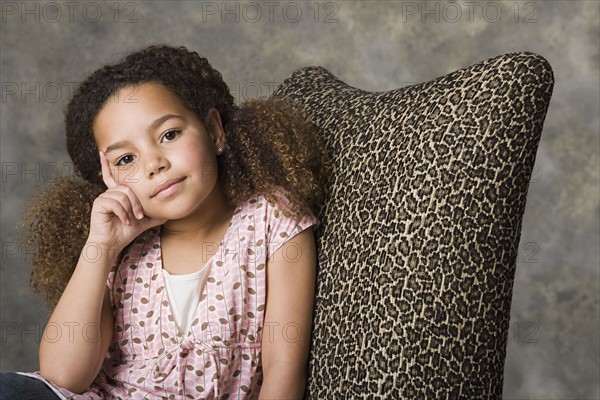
<point>220,356</point>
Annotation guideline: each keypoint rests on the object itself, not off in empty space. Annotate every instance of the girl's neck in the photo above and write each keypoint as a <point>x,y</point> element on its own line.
<point>204,222</point>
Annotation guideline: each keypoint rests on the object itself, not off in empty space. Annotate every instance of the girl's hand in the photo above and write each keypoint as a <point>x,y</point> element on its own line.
<point>117,215</point>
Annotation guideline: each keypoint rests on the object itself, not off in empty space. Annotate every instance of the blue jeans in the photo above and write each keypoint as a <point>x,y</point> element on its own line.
<point>20,387</point>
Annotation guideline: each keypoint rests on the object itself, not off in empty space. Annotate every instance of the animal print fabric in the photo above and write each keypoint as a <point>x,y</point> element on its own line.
<point>420,230</point>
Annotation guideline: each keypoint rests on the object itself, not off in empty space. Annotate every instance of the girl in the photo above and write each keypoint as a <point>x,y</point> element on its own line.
<point>194,267</point>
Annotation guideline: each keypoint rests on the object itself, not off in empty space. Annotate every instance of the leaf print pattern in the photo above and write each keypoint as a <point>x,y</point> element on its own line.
<point>220,357</point>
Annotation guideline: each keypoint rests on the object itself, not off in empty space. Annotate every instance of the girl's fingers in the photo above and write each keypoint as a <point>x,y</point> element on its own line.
<point>134,203</point>
<point>128,200</point>
<point>117,196</point>
<point>110,183</point>
<point>136,206</point>
<point>106,175</point>
<point>119,210</point>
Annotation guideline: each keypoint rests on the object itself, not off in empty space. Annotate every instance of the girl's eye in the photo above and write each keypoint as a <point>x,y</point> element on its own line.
<point>171,135</point>
<point>124,160</point>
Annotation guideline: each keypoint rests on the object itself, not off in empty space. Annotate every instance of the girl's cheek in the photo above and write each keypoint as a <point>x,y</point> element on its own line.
<point>128,175</point>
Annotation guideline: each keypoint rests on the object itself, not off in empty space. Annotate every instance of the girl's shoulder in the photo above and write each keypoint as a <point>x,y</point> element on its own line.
<point>277,220</point>
<point>279,209</point>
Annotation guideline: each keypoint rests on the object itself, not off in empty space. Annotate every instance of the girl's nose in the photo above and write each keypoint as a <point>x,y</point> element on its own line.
<point>155,163</point>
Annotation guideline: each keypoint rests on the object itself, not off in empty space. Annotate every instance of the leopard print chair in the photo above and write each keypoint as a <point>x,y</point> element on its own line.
<point>418,244</point>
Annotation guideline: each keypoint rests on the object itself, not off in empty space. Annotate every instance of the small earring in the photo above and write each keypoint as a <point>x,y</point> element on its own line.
<point>219,151</point>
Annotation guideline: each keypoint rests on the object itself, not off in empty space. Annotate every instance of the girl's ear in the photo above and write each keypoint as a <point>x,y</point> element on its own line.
<point>215,127</point>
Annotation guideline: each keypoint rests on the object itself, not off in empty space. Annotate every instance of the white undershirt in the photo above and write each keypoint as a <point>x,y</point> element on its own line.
<point>184,295</point>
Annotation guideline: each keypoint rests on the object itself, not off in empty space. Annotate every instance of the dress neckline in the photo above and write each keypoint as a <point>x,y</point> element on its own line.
<point>191,276</point>
<point>210,263</point>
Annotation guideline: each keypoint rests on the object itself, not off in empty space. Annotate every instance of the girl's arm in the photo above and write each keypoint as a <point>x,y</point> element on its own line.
<point>79,330</point>
<point>291,280</point>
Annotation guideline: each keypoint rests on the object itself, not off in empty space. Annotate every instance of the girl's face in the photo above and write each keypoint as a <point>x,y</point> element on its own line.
<point>153,142</point>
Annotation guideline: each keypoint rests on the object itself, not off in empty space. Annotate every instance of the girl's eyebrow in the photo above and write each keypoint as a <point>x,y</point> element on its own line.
<point>159,121</point>
<point>116,146</point>
<point>153,126</point>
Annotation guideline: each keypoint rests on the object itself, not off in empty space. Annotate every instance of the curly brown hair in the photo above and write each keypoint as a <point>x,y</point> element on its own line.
<point>270,144</point>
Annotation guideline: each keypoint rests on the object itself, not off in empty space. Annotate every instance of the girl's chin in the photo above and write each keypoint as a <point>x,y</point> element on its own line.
<point>177,212</point>
<point>168,217</point>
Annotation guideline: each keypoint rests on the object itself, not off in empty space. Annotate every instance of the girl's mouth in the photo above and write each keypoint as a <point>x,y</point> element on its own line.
<point>167,188</point>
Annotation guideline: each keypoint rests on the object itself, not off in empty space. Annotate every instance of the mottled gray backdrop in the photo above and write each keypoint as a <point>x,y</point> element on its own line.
<point>46,47</point>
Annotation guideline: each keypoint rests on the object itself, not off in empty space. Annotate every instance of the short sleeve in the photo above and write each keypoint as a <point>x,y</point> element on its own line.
<point>111,275</point>
<point>114,267</point>
<point>281,226</point>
